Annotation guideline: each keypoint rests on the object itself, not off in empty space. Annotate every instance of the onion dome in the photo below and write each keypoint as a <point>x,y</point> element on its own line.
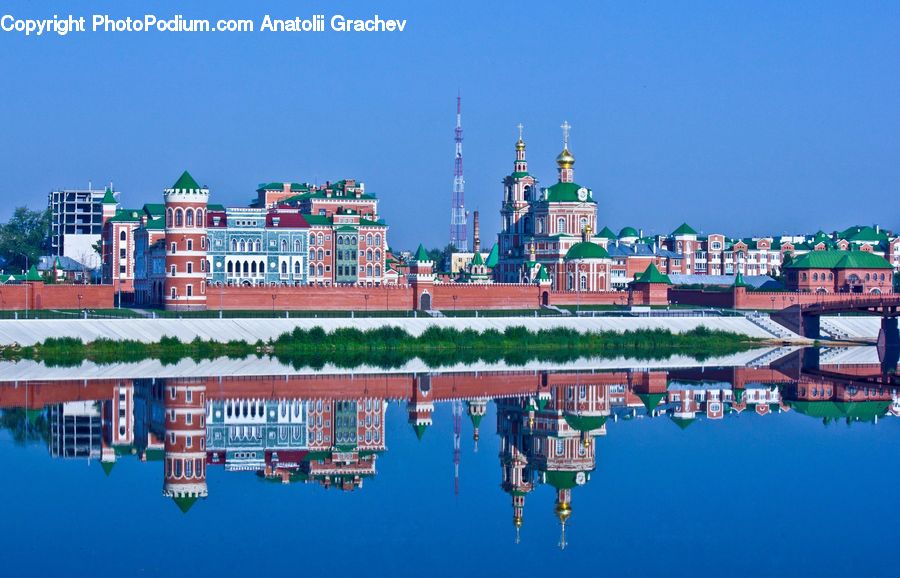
<point>565,160</point>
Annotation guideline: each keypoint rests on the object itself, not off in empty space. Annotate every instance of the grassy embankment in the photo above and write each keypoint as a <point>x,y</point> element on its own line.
<point>392,346</point>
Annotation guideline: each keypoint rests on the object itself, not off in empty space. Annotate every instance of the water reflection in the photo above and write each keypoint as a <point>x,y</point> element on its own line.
<point>329,430</point>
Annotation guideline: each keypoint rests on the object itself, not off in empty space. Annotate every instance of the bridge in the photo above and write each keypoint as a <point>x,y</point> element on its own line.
<point>804,319</point>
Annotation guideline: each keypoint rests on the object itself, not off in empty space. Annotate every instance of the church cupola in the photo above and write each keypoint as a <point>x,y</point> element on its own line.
<point>565,161</point>
<point>521,163</point>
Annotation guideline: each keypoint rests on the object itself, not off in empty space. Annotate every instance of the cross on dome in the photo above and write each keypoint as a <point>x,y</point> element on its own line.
<point>565,126</point>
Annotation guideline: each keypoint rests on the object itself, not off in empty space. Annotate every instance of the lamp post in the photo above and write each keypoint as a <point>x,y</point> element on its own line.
<point>454,303</point>
<point>274,296</point>
<point>366,298</point>
<point>80,308</point>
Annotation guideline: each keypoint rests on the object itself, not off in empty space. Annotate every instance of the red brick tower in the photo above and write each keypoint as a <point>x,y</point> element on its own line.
<point>186,245</point>
<point>185,444</point>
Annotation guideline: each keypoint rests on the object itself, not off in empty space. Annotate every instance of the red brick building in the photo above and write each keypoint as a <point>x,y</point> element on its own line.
<point>835,271</point>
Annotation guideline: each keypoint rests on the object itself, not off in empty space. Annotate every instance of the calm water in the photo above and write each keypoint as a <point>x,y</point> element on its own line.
<point>782,469</point>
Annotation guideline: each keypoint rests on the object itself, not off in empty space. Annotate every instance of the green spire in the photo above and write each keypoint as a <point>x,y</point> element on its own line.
<point>493,257</point>
<point>684,229</point>
<point>186,182</point>
<point>739,280</point>
<point>107,467</point>
<point>477,260</point>
<point>421,254</point>
<point>184,503</point>
<point>476,419</point>
<point>651,400</point>
<point>33,275</point>
<point>652,275</point>
<point>420,430</point>
<point>682,422</point>
<point>109,198</point>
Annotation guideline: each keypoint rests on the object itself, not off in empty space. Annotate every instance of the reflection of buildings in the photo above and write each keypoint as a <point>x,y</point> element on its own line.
<point>330,429</point>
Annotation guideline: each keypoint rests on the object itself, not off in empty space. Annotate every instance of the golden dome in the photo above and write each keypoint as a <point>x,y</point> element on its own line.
<point>563,511</point>
<point>517,521</point>
<point>565,160</point>
<point>520,145</point>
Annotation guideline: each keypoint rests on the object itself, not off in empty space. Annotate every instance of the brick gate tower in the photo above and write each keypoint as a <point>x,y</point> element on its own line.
<point>186,245</point>
<point>185,445</point>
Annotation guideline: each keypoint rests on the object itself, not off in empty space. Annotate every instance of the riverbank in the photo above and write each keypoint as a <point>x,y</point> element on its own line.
<point>390,346</point>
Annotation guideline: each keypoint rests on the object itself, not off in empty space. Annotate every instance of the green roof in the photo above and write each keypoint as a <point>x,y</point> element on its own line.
<point>126,216</point>
<point>476,419</point>
<point>566,193</point>
<point>684,229</point>
<point>855,410</point>
<point>862,234</point>
<point>186,182</point>
<point>420,430</point>
<point>493,257</point>
<point>739,280</point>
<point>652,275</point>
<point>561,480</point>
<point>651,400</point>
<point>519,174</point>
<point>839,260</point>
<point>109,198</point>
<point>421,254</point>
<point>683,422</point>
<point>586,250</point>
<point>317,219</point>
<point>155,209</point>
<point>542,274</point>
<point>606,233</point>
<point>585,423</point>
<point>107,467</point>
<point>628,232</point>
<point>295,187</point>
<point>33,274</point>
<point>184,503</point>
<point>477,260</point>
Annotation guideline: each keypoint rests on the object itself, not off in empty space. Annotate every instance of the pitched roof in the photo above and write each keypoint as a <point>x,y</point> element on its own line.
<point>606,233</point>
<point>421,254</point>
<point>186,182</point>
<point>125,216</point>
<point>493,257</point>
<point>108,197</point>
<point>586,250</point>
<point>652,275</point>
<point>862,234</point>
<point>477,260</point>
<point>684,229</point>
<point>834,259</point>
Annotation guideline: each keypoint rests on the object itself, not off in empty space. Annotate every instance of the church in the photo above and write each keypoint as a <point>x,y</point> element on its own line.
<point>548,233</point>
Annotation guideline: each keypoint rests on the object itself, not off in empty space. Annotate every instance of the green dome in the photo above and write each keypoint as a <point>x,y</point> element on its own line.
<point>586,250</point>
<point>628,232</point>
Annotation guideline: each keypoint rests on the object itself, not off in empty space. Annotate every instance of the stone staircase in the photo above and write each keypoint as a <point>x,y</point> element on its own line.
<point>767,358</point>
<point>764,322</point>
<point>830,329</point>
<point>563,312</point>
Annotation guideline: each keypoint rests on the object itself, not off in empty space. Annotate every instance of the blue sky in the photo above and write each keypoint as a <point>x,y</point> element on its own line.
<point>747,118</point>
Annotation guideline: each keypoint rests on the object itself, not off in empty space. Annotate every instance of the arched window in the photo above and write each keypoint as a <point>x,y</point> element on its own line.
<point>378,239</point>
<point>246,268</point>
<point>370,239</point>
<point>378,270</point>
<point>340,240</point>
<point>234,245</point>
<point>243,246</point>
<point>312,270</point>
<point>368,254</point>
<point>189,217</point>
<point>123,236</point>
<point>179,218</point>
<point>168,217</point>
<point>284,267</point>
<point>203,243</point>
<point>257,246</point>
<point>583,223</point>
<point>321,271</point>
<point>297,247</point>
<point>200,221</point>
<point>321,254</point>
<point>369,270</point>
<point>353,240</point>
<point>283,246</point>
<point>815,276</point>
<point>230,267</point>
<point>312,253</point>
<point>321,239</point>
<point>378,255</point>
<point>253,268</point>
<point>583,282</point>
<point>296,267</point>
<point>203,265</point>
<point>561,225</point>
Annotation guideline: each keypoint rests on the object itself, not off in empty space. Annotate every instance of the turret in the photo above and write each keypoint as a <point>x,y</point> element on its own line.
<point>185,444</point>
<point>186,245</point>
<point>421,278</point>
<point>565,161</point>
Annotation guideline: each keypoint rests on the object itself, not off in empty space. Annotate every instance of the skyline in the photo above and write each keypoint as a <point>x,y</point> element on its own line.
<point>786,110</point>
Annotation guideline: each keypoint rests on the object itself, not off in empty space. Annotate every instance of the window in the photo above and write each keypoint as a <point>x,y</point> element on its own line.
<point>257,246</point>
<point>190,290</point>
<point>179,218</point>
<point>174,248</point>
<point>297,246</point>
<point>561,225</point>
<point>200,221</point>
<point>190,244</point>
<point>172,270</point>
<point>284,246</point>
<point>123,236</point>
<point>369,239</point>
<point>173,289</point>
<point>168,217</point>
<point>378,270</point>
<point>284,268</point>
<point>190,267</point>
<point>296,267</point>
<point>189,217</point>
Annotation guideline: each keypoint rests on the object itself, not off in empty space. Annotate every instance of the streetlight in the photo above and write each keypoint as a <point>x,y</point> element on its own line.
<point>274,296</point>
<point>79,302</point>
<point>454,303</point>
<point>366,297</point>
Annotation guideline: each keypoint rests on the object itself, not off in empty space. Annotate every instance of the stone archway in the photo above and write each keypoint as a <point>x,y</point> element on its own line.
<point>545,298</point>
<point>425,301</point>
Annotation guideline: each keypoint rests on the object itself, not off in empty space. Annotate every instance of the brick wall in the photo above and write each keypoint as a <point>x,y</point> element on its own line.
<point>591,298</point>
<point>488,296</point>
<point>41,296</point>
<point>384,298</point>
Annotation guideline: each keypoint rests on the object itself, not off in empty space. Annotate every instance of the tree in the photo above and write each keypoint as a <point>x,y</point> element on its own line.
<point>441,257</point>
<point>24,237</point>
